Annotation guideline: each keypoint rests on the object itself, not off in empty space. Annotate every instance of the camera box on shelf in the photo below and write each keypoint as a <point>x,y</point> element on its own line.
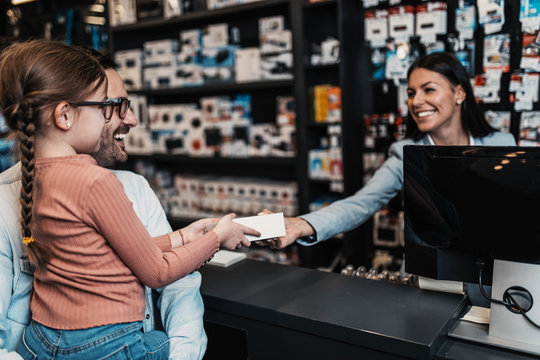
<point>190,39</point>
<point>286,111</point>
<point>271,24</point>
<point>261,139</point>
<point>122,12</point>
<point>159,77</point>
<point>187,75</point>
<point>247,64</point>
<point>401,22</point>
<point>430,20</point>
<point>221,56</point>
<point>172,8</point>
<point>376,27</point>
<point>330,50</point>
<point>160,52</point>
<point>138,140</point>
<point>276,41</point>
<point>277,66</point>
<point>215,35</point>
<point>283,141</point>
<point>130,67</point>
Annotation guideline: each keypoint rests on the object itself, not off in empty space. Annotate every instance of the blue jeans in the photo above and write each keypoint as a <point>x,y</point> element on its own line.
<point>111,342</point>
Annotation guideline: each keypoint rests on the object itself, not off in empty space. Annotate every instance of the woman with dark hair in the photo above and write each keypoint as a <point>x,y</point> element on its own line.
<point>442,111</point>
<point>448,66</point>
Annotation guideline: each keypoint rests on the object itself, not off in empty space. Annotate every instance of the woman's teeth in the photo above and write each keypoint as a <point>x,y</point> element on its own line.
<point>425,113</point>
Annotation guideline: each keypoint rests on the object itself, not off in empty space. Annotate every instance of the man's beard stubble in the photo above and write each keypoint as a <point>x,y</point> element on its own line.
<point>108,154</point>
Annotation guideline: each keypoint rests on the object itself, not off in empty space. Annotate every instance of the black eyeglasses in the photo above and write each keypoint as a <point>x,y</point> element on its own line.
<point>108,106</point>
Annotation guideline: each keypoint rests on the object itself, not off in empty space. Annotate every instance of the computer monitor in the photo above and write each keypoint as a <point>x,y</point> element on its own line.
<point>466,206</point>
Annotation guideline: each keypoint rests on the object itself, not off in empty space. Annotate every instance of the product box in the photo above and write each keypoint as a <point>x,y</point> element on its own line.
<point>187,75</point>
<point>330,51</point>
<point>130,68</point>
<point>247,64</point>
<point>260,139</point>
<point>159,77</point>
<point>271,24</point>
<point>160,52</point>
<point>132,79</point>
<point>129,59</point>
<point>276,41</point>
<point>122,12</point>
<point>216,56</point>
<point>215,35</point>
<point>286,112</point>
<point>277,66</point>
<point>138,141</point>
<point>401,22</point>
<point>430,20</point>
<point>376,27</point>
<point>172,8</point>
<point>190,39</point>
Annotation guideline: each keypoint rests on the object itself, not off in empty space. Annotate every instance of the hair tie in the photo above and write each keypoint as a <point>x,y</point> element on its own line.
<point>28,240</point>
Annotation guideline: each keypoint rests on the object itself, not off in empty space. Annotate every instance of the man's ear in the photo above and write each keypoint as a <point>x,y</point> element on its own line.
<point>63,115</point>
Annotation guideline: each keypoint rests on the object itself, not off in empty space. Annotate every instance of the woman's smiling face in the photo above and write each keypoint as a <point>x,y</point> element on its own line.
<point>433,102</point>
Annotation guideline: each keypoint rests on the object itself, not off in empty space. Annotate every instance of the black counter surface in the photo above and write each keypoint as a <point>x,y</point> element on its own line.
<point>367,316</point>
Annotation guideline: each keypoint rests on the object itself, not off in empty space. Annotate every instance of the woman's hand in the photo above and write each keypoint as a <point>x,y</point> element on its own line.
<point>232,235</point>
<point>294,228</point>
<point>198,228</point>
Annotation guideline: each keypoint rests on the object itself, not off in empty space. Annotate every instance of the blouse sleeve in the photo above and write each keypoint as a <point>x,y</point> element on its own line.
<point>110,212</point>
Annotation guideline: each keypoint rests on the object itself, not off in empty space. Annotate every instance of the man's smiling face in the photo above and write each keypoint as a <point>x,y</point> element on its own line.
<point>112,138</point>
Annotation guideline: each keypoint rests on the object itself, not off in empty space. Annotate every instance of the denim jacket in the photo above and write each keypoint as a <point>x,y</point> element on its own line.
<point>180,303</point>
<point>351,212</point>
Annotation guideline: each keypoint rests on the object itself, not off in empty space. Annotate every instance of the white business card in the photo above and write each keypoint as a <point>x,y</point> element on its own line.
<point>270,225</point>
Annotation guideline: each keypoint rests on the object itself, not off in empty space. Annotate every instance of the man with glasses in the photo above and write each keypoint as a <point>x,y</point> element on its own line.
<point>108,106</point>
<point>180,303</point>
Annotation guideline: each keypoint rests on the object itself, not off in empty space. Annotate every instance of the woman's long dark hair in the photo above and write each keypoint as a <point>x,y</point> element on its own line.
<point>450,67</point>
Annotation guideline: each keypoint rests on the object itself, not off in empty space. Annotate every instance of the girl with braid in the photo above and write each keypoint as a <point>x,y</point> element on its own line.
<point>91,252</point>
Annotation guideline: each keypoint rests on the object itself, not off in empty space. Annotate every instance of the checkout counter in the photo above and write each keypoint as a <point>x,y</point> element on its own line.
<point>261,310</point>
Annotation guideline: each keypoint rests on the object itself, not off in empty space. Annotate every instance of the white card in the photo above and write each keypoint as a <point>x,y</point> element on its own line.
<point>270,226</point>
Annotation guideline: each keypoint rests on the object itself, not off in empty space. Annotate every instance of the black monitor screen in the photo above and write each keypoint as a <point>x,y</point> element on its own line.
<point>467,203</point>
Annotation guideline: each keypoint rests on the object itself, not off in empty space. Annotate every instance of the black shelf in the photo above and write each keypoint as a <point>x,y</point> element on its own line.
<point>204,15</point>
<point>218,88</point>
<point>321,3</point>
<point>289,162</point>
<point>323,66</point>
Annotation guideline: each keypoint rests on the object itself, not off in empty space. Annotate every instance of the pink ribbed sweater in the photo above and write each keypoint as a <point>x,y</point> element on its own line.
<point>101,252</point>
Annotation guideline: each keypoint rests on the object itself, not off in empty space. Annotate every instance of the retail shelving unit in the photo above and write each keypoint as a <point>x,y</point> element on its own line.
<point>308,23</point>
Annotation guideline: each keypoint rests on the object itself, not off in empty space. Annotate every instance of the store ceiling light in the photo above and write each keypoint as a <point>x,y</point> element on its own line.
<point>95,20</point>
<point>97,8</point>
<point>19,2</point>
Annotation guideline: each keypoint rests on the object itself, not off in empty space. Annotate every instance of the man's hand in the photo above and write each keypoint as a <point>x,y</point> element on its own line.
<point>198,228</point>
<point>294,228</point>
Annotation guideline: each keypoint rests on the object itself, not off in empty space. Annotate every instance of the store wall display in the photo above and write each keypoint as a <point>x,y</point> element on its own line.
<point>272,43</point>
<point>217,86</point>
<point>496,41</point>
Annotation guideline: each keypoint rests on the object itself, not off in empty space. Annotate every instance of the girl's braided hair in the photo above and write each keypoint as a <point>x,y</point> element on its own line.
<point>35,76</point>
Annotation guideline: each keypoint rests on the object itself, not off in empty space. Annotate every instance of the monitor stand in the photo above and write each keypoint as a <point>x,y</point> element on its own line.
<point>506,329</point>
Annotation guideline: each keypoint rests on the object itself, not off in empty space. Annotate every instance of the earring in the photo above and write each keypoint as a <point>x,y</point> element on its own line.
<point>68,124</point>
<point>459,102</point>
